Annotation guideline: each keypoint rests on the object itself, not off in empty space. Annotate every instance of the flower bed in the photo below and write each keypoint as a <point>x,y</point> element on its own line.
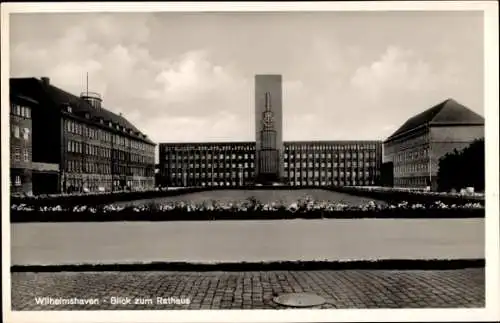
<point>98,198</point>
<point>390,195</point>
<point>394,195</point>
<point>250,209</point>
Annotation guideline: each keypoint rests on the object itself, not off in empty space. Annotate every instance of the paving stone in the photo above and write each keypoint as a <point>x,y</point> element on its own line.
<point>254,290</point>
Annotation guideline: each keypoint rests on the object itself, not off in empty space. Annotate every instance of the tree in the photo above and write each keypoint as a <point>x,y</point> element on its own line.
<point>460,169</point>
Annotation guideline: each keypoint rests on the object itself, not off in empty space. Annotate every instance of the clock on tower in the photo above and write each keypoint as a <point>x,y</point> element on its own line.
<point>268,119</point>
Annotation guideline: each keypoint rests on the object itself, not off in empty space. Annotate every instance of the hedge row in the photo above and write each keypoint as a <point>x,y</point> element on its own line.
<point>128,215</point>
<point>97,199</point>
<point>394,197</point>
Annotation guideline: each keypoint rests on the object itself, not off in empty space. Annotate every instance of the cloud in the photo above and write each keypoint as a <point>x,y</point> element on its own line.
<point>397,70</point>
<point>190,77</point>
<point>157,94</point>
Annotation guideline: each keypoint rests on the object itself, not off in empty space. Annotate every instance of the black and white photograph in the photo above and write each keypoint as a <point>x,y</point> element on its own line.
<point>250,161</point>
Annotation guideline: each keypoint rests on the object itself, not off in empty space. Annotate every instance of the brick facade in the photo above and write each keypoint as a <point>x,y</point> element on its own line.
<point>97,159</point>
<point>78,146</point>
<point>21,146</point>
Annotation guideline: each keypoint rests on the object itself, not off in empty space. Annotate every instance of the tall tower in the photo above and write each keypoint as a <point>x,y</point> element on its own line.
<point>268,127</point>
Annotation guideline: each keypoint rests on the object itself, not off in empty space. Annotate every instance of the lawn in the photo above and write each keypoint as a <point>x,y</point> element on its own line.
<point>264,196</point>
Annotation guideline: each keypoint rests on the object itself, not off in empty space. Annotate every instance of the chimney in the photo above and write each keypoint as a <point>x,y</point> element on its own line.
<point>45,80</point>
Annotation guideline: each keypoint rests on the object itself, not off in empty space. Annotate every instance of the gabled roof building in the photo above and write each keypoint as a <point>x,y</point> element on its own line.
<point>78,145</point>
<point>414,150</point>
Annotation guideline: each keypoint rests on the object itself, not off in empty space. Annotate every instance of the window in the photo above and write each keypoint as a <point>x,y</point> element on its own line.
<point>17,180</point>
<point>26,134</point>
<point>15,130</point>
<point>17,154</point>
<point>26,156</point>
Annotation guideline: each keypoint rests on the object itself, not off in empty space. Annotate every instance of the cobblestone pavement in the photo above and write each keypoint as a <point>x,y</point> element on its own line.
<point>252,290</point>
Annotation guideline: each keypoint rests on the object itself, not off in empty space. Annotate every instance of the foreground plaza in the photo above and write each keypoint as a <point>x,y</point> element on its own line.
<point>255,290</point>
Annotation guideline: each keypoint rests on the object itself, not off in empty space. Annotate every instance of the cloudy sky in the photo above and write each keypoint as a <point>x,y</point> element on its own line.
<point>189,76</point>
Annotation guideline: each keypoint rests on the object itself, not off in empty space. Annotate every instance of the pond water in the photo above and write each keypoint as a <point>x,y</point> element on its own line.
<point>264,196</point>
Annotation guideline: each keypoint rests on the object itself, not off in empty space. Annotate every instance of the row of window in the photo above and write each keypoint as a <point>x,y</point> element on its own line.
<point>328,174</point>
<point>209,156</point>
<point>329,164</point>
<point>411,168</point>
<point>189,148</point>
<point>105,136</point>
<point>287,147</point>
<point>291,175</point>
<point>348,155</point>
<point>215,165</point>
<point>214,175</point>
<point>411,155</point>
<point>94,185</point>
<point>293,183</point>
<point>103,152</point>
<point>359,155</point>
<point>135,158</point>
<point>20,111</point>
<point>18,132</point>
<point>21,154</point>
<point>412,182</point>
<point>329,147</point>
<point>78,166</point>
<point>286,165</point>
<point>87,131</point>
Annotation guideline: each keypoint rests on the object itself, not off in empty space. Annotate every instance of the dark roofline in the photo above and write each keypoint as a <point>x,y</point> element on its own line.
<point>105,127</point>
<point>118,121</point>
<point>331,141</point>
<point>468,123</point>
<point>426,119</point>
<point>208,143</point>
<point>402,134</point>
<point>24,98</point>
<point>84,107</point>
<point>433,124</point>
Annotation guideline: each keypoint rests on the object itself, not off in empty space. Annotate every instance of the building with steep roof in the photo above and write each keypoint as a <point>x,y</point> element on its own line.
<point>78,145</point>
<point>414,150</point>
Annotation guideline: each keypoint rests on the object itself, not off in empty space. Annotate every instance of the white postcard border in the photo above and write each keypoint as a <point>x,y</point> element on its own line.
<point>491,101</point>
